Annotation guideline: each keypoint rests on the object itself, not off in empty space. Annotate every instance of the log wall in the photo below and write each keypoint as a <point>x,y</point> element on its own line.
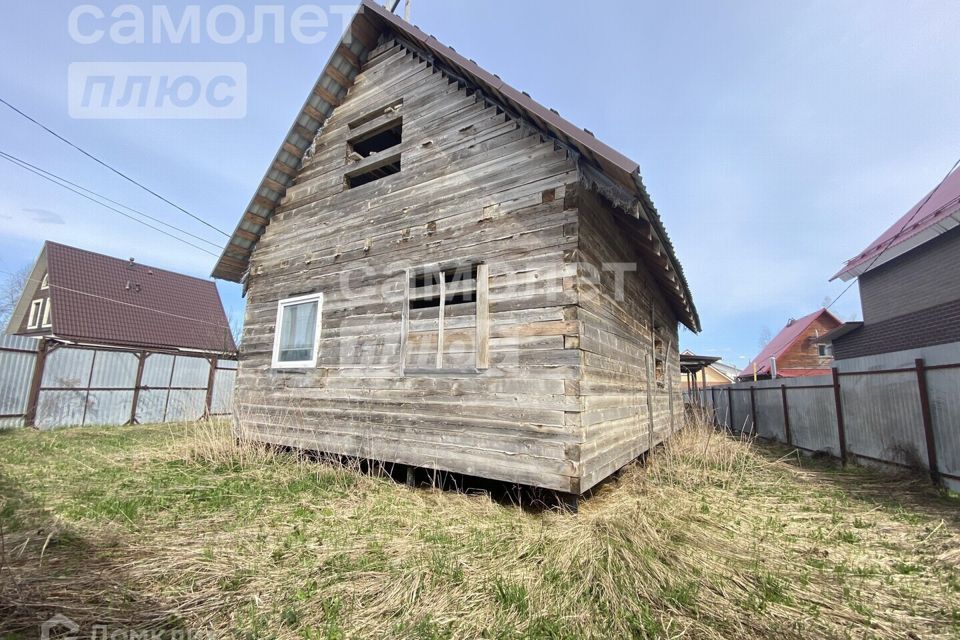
<point>564,400</point>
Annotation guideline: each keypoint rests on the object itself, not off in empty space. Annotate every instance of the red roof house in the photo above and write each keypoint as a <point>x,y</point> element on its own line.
<point>78,296</point>
<point>797,350</point>
<point>909,281</point>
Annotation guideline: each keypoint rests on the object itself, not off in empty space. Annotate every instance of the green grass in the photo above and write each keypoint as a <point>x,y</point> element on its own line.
<point>179,528</point>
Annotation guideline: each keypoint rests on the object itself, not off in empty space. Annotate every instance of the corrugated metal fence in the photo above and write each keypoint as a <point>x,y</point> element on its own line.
<point>901,409</point>
<point>56,385</point>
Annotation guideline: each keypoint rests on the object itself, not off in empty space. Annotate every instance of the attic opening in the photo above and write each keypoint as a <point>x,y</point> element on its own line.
<point>369,173</point>
<point>387,135</point>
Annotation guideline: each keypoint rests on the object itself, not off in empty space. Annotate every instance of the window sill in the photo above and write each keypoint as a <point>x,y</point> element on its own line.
<point>283,366</point>
<point>442,372</point>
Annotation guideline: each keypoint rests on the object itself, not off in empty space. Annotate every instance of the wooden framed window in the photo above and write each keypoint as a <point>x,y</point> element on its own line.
<point>296,340</point>
<point>46,314</point>
<point>446,320</point>
<point>33,320</point>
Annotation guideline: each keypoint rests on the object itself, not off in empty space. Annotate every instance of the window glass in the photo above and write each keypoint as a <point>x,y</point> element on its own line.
<point>34,320</point>
<point>298,332</point>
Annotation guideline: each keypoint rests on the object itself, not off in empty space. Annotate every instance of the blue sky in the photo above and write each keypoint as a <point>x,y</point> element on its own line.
<point>776,139</point>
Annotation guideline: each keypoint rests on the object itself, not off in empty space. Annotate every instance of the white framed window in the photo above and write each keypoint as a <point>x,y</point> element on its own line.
<point>297,336</point>
<point>45,283</point>
<point>825,350</point>
<point>33,320</point>
<point>46,314</point>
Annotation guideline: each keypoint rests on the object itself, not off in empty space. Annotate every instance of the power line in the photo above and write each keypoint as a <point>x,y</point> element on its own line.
<point>17,162</point>
<point>26,164</point>
<point>121,302</point>
<point>897,234</point>
<point>116,171</point>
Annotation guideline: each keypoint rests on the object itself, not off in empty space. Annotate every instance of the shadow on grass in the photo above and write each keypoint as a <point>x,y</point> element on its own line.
<point>48,569</point>
<point>908,492</point>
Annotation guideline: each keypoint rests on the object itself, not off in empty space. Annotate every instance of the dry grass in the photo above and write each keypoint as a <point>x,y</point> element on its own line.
<point>180,528</point>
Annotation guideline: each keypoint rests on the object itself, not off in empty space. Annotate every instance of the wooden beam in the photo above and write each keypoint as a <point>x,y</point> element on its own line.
<point>331,99</point>
<point>293,149</point>
<point>350,56</point>
<point>33,395</point>
<point>303,131</point>
<point>276,186</point>
<point>282,167</point>
<point>483,317</point>
<point>339,78</point>
<point>263,202</point>
<point>314,113</point>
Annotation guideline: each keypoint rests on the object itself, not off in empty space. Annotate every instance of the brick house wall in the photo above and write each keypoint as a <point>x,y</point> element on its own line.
<point>922,278</point>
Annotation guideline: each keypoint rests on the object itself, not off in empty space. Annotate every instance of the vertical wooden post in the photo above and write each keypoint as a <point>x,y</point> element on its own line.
<point>166,404</point>
<point>440,319</point>
<point>786,415</point>
<point>86,397</point>
<point>753,409</point>
<point>33,395</point>
<point>713,403</point>
<point>211,380</point>
<point>483,316</point>
<point>404,322</point>
<point>841,430</point>
<point>137,383</point>
<point>651,374</point>
<point>927,420</point>
<point>730,407</point>
<point>703,386</point>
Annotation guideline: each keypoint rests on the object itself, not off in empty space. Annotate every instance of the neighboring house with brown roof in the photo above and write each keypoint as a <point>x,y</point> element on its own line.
<point>80,297</point>
<point>798,350</point>
<point>427,266</point>
<point>117,342</point>
<point>909,281</point>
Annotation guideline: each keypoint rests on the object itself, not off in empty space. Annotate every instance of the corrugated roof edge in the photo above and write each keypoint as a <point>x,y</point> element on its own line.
<point>629,171</point>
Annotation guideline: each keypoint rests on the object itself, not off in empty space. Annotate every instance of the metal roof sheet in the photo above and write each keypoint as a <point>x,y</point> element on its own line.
<point>104,300</point>
<point>935,213</point>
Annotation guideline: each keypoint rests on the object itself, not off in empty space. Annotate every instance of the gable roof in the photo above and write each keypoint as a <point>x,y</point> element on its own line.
<point>369,24</point>
<point>783,341</point>
<point>104,300</point>
<point>935,214</point>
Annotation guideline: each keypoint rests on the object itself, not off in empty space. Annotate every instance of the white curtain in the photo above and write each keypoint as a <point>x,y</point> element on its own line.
<point>298,330</point>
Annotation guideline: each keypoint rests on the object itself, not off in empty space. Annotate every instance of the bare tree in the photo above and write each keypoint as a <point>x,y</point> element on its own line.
<point>235,320</point>
<point>11,287</point>
<point>765,337</point>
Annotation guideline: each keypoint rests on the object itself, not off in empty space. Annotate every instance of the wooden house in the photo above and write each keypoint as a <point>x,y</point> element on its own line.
<point>442,273</point>
<point>118,342</point>
<point>909,280</point>
<point>798,350</point>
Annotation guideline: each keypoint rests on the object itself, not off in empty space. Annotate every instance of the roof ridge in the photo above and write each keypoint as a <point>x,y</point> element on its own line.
<point>125,262</point>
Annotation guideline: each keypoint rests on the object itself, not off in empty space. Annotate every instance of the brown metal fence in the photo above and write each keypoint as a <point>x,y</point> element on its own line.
<point>908,416</point>
<point>46,384</point>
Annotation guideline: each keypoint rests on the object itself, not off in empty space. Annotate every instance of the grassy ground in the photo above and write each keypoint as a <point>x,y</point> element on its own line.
<point>176,527</point>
